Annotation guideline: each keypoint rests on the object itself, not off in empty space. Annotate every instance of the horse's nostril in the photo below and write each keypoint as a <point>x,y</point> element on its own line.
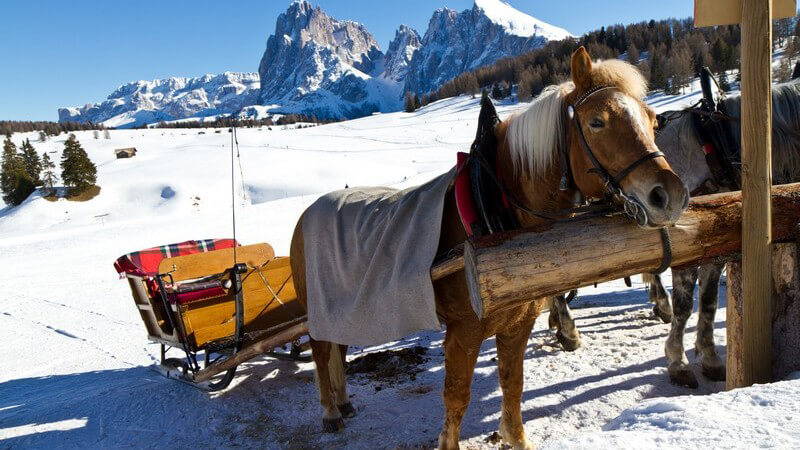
<point>658,197</point>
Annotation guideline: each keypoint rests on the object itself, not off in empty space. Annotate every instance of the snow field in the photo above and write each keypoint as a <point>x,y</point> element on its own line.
<point>75,368</point>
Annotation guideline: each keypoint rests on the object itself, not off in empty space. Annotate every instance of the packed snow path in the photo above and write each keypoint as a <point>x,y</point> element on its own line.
<point>76,366</point>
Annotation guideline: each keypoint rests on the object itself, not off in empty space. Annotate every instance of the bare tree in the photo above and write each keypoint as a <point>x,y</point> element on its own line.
<point>632,54</point>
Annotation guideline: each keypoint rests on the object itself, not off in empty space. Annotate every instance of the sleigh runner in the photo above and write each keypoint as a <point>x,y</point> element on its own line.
<point>191,297</point>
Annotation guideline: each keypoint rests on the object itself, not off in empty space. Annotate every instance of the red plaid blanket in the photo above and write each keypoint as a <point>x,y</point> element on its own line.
<point>145,262</point>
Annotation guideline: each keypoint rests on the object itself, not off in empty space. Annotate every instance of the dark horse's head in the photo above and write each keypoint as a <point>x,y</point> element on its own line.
<point>605,134</point>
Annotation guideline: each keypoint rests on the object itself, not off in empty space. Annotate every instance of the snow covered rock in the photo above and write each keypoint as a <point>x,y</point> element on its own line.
<point>457,42</point>
<point>142,102</point>
<point>401,50</point>
<point>315,64</point>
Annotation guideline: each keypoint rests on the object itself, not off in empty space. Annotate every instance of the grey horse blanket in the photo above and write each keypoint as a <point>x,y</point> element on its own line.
<point>368,255</point>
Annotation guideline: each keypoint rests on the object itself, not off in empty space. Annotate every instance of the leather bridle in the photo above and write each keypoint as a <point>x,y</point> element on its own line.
<point>612,184</point>
<point>632,207</point>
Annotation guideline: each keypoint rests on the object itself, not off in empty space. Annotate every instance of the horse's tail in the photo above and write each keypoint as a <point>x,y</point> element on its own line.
<point>297,261</point>
<point>648,279</point>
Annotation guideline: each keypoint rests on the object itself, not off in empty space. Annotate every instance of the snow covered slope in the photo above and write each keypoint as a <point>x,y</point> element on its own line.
<point>518,23</point>
<point>75,360</point>
<point>142,102</point>
<point>762,416</point>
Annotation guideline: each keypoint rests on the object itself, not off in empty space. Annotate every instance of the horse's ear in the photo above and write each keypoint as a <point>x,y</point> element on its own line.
<point>581,68</point>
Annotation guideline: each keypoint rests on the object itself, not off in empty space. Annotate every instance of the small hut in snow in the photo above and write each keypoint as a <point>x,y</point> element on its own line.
<point>125,152</point>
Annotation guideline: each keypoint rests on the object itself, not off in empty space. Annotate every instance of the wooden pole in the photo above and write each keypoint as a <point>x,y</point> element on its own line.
<point>253,350</point>
<point>513,268</point>
<point>756,70</point>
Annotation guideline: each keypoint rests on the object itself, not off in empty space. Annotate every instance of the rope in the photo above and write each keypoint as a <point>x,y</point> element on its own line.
<point>233,193</point>
<point>239,160</point>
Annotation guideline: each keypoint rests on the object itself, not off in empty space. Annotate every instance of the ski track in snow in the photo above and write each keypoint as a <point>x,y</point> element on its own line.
<point>76,365</point>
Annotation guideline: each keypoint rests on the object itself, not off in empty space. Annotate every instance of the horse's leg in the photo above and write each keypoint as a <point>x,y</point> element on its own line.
<point>331,417</point>
<point>462,342</point>
<point>339,383</point>
<point>682,301</point>
<point>659,296</point>
<point>708,292</point>
<point>552,318</point>
<point>510,355</point>
<point>567,333</point>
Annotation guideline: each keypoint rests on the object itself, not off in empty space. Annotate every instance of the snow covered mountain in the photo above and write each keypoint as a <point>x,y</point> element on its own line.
<point>142,102</point>
<point>401,50</point>
<point>315,64</point>
<point>457,42</point>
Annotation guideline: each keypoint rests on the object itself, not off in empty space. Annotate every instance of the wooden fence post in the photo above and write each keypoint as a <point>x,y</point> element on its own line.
<point>756,180</point>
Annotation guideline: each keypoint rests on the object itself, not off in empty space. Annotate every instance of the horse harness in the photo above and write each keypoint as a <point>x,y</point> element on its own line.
<point>712,126</point>
<point>487,184</point>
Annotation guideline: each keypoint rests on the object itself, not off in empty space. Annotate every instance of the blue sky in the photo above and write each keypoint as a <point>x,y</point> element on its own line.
<point>57,53</point>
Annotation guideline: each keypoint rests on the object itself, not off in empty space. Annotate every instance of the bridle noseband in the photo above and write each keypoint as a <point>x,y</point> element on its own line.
<point>612,184</point>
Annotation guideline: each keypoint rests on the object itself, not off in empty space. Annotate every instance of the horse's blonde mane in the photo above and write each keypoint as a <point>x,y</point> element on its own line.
<point>535,133</point>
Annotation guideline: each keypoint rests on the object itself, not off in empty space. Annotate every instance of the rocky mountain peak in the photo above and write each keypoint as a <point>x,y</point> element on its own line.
<point>457,42</point>
<point>400,53</point>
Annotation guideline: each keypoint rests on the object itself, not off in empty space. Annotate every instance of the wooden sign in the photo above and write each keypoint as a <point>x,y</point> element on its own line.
<point>709,13</point>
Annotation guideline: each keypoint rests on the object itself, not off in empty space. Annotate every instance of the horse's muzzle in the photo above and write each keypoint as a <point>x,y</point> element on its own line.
<point>665,200</point>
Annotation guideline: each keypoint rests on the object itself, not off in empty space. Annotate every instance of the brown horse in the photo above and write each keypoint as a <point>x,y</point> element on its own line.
<point>616,133</point>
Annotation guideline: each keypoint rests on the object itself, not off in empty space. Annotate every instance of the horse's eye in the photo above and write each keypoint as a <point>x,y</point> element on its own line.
<point>597,123</point>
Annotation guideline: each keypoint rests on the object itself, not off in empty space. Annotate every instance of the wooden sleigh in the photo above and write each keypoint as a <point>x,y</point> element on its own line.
<point>213,310</point>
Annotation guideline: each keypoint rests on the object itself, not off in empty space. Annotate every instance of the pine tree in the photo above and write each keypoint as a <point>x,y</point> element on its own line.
<point>106,134</point>
<point>42,136</point>
<point>724,84</point>
<point>33,164</point>
<point>416,102</point>
<point>8,168</point>
<point>408,103</point>
<point>96,134</point>
<point>48,175</point>
<point>719,55</point>
<point>77,171</point>
<point>15,183</point>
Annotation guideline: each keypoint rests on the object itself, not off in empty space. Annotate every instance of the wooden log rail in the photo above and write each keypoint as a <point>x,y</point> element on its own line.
<point>512,268</point>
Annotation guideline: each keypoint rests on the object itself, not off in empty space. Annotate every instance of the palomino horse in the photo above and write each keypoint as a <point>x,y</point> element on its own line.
<point>680,144</point>
<point>611,131</point>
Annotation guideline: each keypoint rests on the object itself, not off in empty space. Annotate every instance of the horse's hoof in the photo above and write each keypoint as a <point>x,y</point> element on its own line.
<point>333,425</point>
<point>346,410</point>
<point>714,373</point>
<point>568,344</point>
<point>683,377</point>
<point>665,317</point>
